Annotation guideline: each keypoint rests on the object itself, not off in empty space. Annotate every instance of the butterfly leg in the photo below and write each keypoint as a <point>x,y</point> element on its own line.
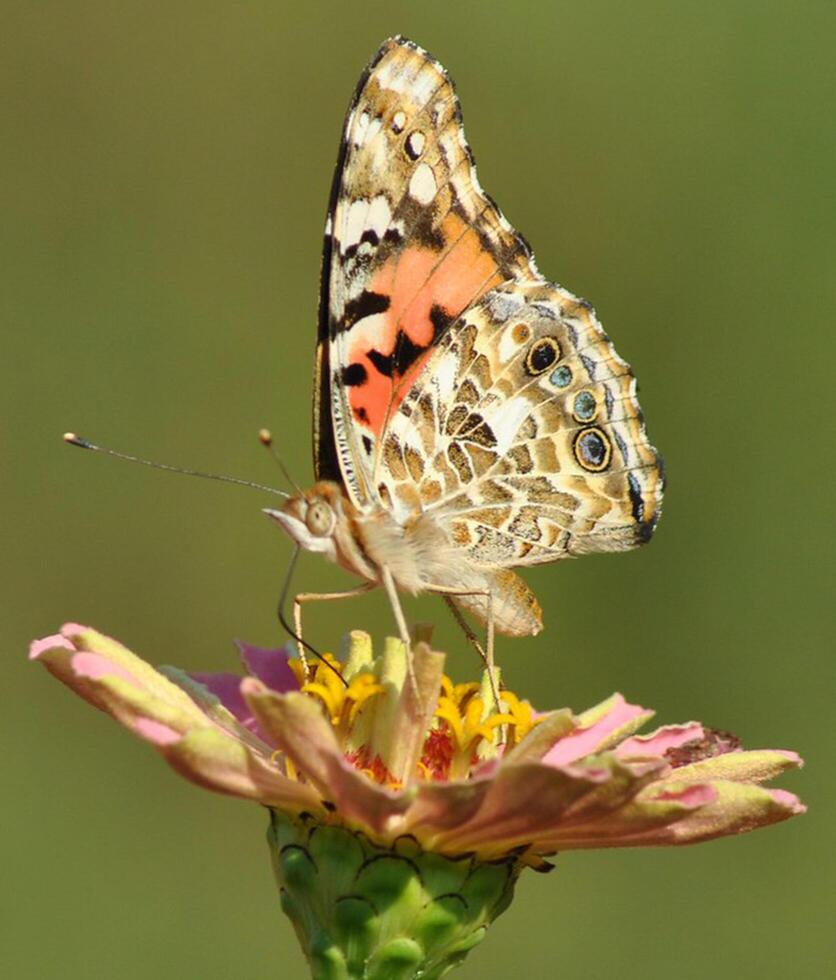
<point>472,639</point>
<point>320,597</point>
<point>400,619</point>
<point>486,653</point>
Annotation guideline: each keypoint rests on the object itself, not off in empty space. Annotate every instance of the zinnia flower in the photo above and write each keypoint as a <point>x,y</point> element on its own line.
<point>401,813</point>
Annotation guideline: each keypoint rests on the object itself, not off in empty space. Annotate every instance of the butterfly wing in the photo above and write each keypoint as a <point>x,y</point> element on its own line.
<point>523,437</point>
<point>461,384</point>
<point>411,242</point>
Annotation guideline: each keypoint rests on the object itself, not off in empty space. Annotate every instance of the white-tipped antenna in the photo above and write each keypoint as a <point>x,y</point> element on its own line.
<point>265,437</point>
<point>76,440</point>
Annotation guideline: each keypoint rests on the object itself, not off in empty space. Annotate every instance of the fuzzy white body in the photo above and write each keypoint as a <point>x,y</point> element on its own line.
<point>418,556</point>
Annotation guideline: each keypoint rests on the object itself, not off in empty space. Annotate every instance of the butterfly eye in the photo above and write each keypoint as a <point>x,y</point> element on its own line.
<point>542,355</point>
<point>319,518</point>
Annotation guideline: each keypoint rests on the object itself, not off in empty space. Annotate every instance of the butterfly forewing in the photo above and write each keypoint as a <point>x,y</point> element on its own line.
<point>411,242</point>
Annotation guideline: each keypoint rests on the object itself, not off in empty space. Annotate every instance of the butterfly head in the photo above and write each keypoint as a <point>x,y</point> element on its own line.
<point>311,518</point>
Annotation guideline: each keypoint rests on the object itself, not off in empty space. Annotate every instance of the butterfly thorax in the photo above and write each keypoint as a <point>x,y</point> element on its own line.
<point>418,553</point>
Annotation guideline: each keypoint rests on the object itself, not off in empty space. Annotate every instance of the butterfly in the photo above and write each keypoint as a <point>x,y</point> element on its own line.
<point>470,417</point>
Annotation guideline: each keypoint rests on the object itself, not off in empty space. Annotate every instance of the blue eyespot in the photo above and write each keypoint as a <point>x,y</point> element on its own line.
<point>561,377</point>
<point>585,406</point>
<point>592,450</point>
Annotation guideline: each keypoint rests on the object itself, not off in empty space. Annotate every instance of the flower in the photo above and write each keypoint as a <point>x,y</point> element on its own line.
<point>433,785</point>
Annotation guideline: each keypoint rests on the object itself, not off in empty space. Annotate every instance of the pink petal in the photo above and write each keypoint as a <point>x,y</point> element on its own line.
<point>788,800</point>
<point>296,723</point>
<point>551,728</point>
<point>585,741</point>
<point>659,742</point>
<point>692,796</point>
<point>686,814</point>
<point>156,732</point>
<point>37,647</point>
<point>122,664</point>
<point>217,761</point>
<point>95,666</point>
<point>269,666</point>
<point>521,804</point>
<point>738,808</point>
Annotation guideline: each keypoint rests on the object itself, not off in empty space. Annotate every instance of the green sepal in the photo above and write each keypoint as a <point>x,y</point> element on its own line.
<point>363,911</point>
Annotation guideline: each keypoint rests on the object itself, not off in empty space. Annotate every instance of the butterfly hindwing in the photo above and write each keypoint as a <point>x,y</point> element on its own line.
<point>523,437</point>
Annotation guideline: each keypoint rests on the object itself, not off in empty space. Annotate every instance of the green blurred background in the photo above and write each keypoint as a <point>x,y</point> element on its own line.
<point>163,184</point>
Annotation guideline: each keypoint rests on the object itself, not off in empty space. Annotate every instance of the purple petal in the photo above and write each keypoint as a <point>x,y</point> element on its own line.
<point>227,689</point>
<point>269,666</point>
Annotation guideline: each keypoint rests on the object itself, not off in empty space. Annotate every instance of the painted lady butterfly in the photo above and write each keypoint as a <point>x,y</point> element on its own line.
<point>469,416</point>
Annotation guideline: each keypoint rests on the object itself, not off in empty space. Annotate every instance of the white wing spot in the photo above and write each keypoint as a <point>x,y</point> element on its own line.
<point>415,144</point>
<point>361,127</point>
<point>506,420</point>
<point>355,222</point>
<point>422,185</point>
<point>372,130</point>
<point>363,216</point>
<point>379,215</point>
<point>399,121</point>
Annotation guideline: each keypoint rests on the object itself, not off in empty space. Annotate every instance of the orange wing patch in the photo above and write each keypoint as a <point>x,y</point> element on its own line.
<point>426,293</point>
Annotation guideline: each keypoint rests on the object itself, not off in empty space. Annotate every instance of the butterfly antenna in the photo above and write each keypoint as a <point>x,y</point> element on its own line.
<point>265,437</point>
<point>291,632</point>
<point>76,440</point>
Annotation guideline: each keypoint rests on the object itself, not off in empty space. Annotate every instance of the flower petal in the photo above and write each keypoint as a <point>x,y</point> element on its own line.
<point>526,802</point>
<point>661,741</point>
<point>156,732</point>
<point>270,666</point>
<point>122,688</point>
<point>227,689</point>
<point>80,657</point>
<point>217,761</point>
<point>403,742</point>
<point>549,729</point>
<point>735,809</point>
<point>753,766</point>
<point>219,697</point>
<point>296,723</point>
<point>599,728</point>
<point>669,814</point>
<point>147,703</point>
